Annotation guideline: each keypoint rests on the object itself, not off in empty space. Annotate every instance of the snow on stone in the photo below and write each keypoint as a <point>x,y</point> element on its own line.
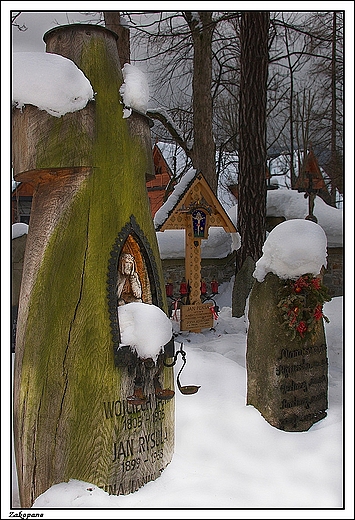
<point>331,220</point>
<point>293,205</point>
<point>50,82</point>
<point>19,229</point>
<point>292,249</point>
<point>165,210</point>
<point>219,243</point>
<point>134,90</point>
<point>286,203</point>
<point>145,328</point>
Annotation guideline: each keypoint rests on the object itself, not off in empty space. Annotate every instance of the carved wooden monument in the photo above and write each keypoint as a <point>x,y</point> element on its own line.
<point>196,210</point>
<point>87,407</point>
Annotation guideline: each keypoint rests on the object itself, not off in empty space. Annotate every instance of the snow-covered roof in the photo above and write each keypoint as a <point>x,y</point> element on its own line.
<point>179,189</point>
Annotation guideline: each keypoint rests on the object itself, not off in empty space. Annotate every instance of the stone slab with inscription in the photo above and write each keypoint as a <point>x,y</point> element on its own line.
<point>287,379</point>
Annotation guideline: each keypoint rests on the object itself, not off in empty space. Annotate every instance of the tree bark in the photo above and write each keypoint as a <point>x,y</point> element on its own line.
<point>336,167</point>
<point>113,23</point>
<point>204,149</point>
<point>252,128</point>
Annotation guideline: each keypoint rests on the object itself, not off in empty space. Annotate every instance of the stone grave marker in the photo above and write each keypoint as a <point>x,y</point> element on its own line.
<point>287,363</point>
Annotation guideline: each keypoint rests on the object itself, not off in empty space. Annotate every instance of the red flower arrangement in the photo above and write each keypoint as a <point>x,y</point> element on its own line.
<point>301,305</point>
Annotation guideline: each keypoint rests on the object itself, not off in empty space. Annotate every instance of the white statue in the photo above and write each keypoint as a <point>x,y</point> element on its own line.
<point>129,288</point>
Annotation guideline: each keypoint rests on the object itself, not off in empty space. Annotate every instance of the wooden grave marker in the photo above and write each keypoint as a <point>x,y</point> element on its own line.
<point>196,211</point>
<point>72,380</point>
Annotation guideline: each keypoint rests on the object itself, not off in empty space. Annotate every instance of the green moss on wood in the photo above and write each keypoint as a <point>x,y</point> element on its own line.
<point>68,143</point>
<point>68,316</point>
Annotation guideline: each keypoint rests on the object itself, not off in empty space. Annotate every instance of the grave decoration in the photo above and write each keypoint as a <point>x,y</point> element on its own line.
<point>287,364</point>
<point>193,206</point>
<point>93,385</point>
<point>310,182</point>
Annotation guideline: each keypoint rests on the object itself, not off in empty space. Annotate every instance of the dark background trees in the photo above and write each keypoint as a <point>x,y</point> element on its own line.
<point>306,89</point>
<point>204,97</point>
<point>305,82</point>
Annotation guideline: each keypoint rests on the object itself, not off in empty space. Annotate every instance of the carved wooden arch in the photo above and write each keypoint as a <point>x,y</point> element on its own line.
<point>131,239</point>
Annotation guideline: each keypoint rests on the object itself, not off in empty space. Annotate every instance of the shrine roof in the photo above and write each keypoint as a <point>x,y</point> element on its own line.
<point>185,198</point>
<point>179,190</point>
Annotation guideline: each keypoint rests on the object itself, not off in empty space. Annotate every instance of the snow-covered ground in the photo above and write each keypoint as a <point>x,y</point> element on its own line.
<point>226,454</point>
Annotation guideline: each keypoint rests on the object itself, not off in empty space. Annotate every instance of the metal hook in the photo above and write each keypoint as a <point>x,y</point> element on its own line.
<point>188,389</point>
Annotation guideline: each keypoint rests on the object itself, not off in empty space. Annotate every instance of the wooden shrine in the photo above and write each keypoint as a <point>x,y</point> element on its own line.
<point>196,210</point>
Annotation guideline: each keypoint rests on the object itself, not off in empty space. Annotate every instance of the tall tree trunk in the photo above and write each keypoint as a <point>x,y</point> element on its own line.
<point>335,170</point>
<point>291,115</point>
<point>252,127</point>
<point>113,23</point>
<point>204,150</point>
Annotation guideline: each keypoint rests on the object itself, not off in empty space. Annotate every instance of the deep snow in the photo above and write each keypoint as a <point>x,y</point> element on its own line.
<point>226,455</point>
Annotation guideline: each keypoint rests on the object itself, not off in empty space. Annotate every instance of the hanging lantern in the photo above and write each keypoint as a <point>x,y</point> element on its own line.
<point>169,288</point>
<point>203,287</point>
<point>214,287</point>
<point>183,288</point>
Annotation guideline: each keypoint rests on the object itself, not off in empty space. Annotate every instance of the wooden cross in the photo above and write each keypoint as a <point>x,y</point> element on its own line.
<point>200,203</point>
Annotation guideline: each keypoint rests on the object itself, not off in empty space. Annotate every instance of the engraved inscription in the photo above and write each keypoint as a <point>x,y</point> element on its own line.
<point>140,435</point>
<point>302,380</point>
<point>198,316</point>
<point>130,486</point>
<point>312,349</point>
<point>144,445</point>
<point>286,370</point>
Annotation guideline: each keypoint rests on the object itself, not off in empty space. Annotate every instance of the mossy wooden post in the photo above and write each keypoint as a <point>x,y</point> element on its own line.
<point>71,416</point>
<point>287,379</point>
